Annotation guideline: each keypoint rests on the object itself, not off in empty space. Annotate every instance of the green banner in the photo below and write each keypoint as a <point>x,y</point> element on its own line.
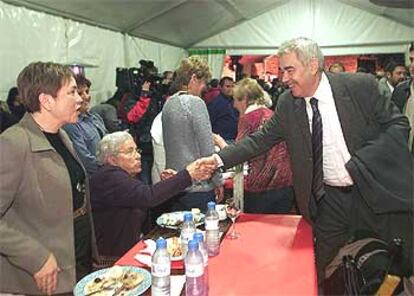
<point>201,52</point>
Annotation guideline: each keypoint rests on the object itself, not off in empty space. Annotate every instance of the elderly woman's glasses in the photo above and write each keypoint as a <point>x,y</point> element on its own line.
<point>131,151</point>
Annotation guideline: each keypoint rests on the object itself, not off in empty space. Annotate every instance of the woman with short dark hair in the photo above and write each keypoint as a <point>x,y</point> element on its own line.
<point>47,237</point>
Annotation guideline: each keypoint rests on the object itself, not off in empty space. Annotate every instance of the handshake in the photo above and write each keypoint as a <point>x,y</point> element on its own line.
<point>199,170</point>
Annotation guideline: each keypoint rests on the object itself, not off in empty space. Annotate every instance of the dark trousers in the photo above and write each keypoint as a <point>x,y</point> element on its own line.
<point>83,247</point>
<point>277,201</point>
<point>146,165</point>
<point>331,226</point>
<point>342,213</point>
<point>189,200</point>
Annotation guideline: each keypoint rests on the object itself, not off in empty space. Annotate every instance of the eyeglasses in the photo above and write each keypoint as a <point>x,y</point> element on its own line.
<point>131,151</point>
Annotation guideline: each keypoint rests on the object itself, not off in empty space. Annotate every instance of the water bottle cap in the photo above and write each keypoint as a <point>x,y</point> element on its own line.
<point>161,243</point>
<point>188,217</point>
<point>211,205</point>
<point>193,245</point>
<point>198,236</point>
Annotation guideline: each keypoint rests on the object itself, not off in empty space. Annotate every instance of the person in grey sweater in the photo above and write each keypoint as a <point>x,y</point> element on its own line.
<point>187,132</point>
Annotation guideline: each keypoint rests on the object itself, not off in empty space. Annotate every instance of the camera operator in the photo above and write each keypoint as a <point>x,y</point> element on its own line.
<point>141,116</point>
<point>167,78</point>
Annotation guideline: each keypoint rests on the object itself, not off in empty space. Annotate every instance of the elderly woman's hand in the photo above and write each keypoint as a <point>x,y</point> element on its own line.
<point>202,168</point>
<point>167,173</point>
<point>46,277</point>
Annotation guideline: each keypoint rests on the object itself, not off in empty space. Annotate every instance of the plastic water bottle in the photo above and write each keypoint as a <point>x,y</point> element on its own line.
<point>194,271</point>
<point>198,236</point>
<point>212,230</point>
<point>187,232</point>
<point>161,269</point>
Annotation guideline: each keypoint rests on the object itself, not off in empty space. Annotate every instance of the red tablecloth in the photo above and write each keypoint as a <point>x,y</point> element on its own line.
<point>273,256</point>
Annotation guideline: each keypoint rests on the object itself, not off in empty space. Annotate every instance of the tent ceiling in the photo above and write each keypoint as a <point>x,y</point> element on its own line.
<point>400,11</point>
<point>184,23</point>
<point>177,22</point>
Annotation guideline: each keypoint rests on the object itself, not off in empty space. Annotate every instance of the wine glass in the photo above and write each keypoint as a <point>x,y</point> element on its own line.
<point>233,211</point>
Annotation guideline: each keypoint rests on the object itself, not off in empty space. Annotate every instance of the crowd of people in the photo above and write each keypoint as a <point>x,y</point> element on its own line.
<point>80,186</point>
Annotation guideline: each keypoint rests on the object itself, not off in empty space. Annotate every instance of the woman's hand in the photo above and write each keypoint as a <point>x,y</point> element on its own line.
<point>219,141</point>
<point>167,173</point>
<point>46,277</point>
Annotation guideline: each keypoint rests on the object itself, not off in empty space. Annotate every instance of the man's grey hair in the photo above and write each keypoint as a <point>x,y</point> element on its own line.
<point>109,145</point>
<point>306,49</point>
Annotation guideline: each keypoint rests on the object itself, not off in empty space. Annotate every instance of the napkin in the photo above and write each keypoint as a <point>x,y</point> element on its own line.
<point>143,258</point>
<point>150,247</point>
<point>177,284</point>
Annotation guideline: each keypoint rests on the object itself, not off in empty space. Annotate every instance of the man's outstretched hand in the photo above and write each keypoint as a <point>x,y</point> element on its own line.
<point>202,168</point>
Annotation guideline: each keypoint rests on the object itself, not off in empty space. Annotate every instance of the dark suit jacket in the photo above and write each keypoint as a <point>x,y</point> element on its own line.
<point>401,94</point>
<point>385,178</point>
<point>363,114</point>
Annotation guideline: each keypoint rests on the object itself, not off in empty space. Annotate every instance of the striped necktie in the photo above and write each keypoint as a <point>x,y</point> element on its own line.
<point>317,151</point>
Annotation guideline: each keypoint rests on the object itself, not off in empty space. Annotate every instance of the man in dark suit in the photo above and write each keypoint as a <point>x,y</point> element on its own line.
<point>331,123</point>
<point>403,96</point>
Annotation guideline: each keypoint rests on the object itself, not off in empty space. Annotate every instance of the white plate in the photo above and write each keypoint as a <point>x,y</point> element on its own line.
<point>174,220</point>
<point>138,290</point>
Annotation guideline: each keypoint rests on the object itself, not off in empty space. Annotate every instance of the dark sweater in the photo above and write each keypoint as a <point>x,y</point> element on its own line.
<point>120,203</point>
<point>223,117</point>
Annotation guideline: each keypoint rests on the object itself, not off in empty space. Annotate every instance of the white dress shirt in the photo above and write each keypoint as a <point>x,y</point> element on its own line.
<point>335,151</point>
<point>158,148</point>
<point>390,86</point>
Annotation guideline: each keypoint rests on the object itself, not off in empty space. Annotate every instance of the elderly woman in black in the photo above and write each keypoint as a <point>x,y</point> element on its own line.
<point>120,201</point>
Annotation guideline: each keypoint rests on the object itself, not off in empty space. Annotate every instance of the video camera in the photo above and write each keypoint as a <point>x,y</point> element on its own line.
<point>132,79</point>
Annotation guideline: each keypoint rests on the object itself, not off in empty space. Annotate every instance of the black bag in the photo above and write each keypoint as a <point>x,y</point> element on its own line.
<point>361,266</point>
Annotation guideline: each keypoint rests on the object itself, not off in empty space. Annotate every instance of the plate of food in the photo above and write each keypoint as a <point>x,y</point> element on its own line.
<point>117,280</point>
<point>174,248</point>
<point>174,220</point>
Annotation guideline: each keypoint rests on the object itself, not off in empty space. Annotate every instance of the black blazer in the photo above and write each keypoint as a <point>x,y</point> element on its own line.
<point>401,94</point>
<point>363,114</point>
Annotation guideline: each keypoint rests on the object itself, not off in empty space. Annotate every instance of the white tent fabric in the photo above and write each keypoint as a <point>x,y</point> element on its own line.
<point>339,28</point>
<point>102,49</point>
<point>28,36</point>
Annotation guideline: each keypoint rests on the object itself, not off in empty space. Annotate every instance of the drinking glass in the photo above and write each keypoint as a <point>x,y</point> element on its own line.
<point>233,211</point>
